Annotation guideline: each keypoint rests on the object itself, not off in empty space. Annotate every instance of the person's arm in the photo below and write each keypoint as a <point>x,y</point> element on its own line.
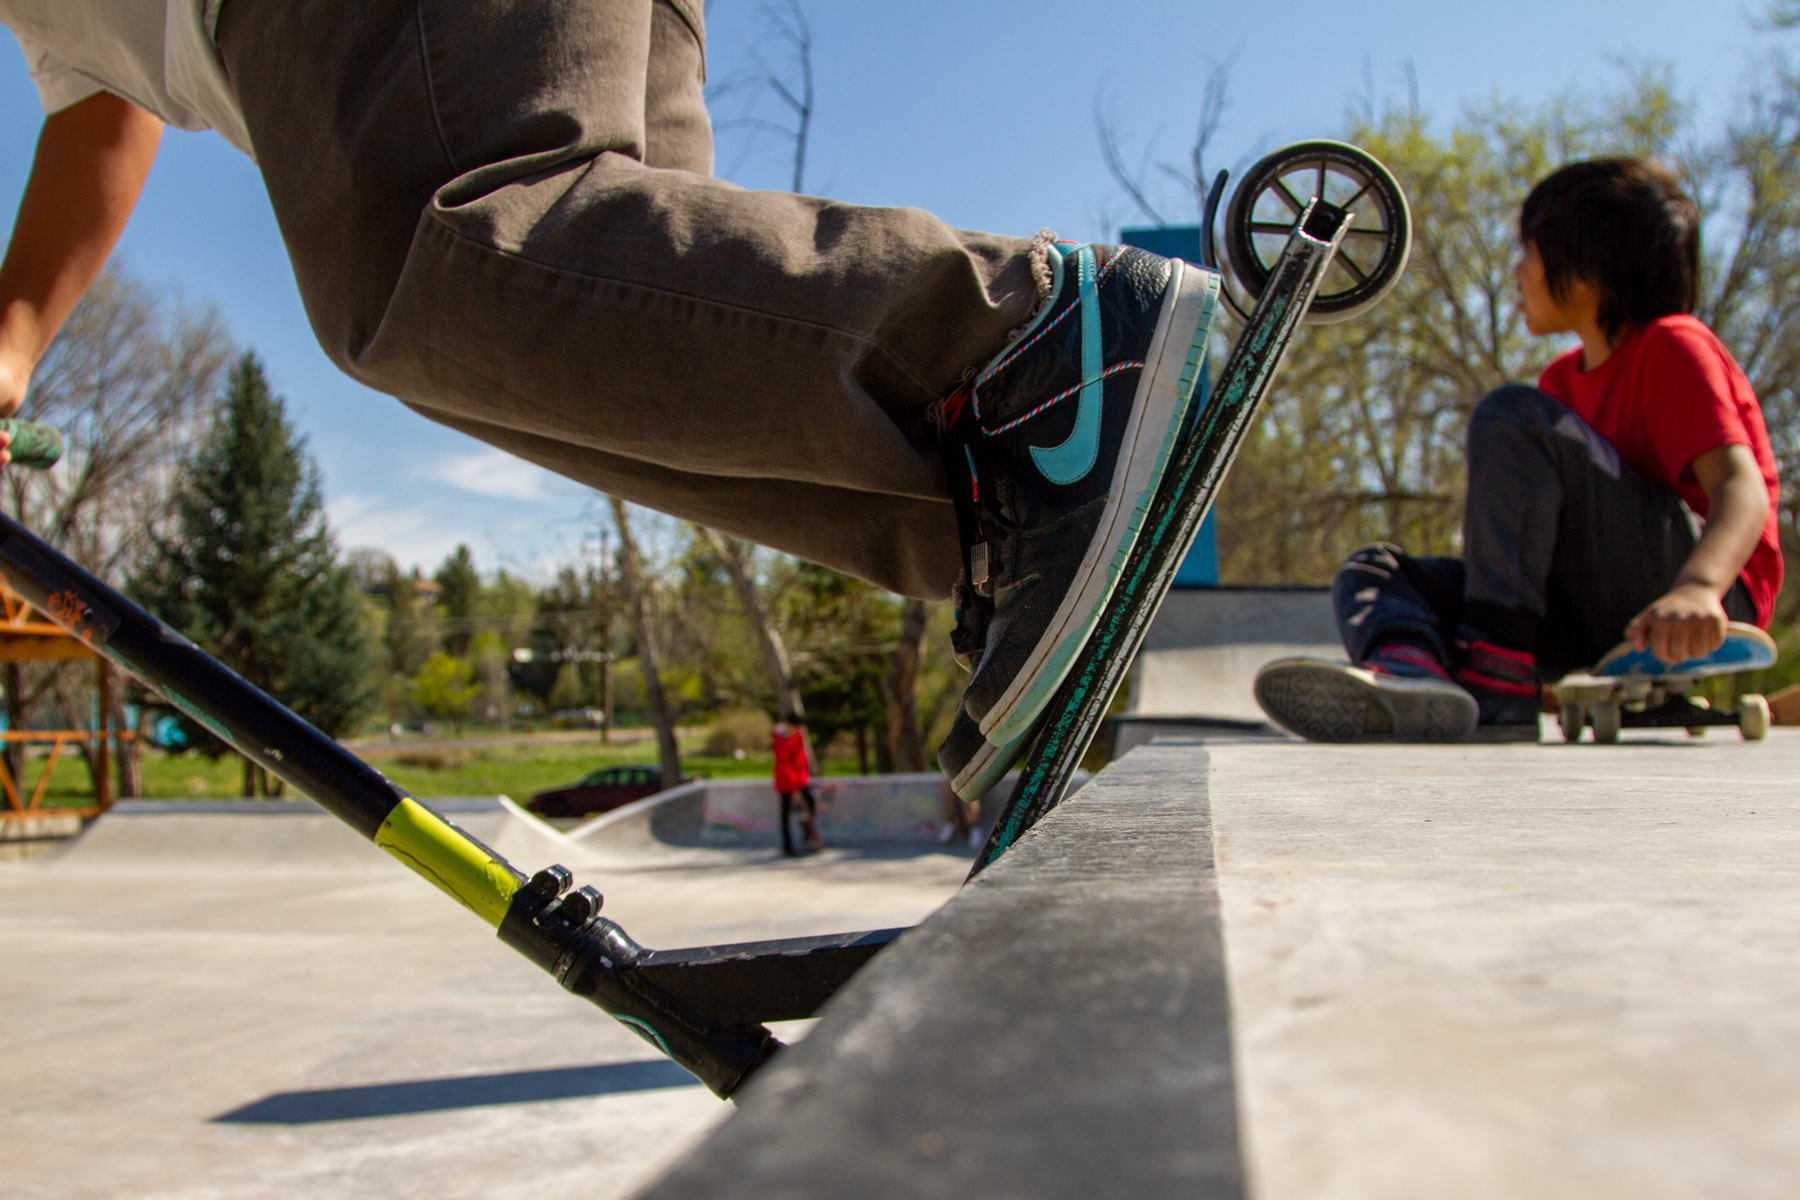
<point>1690,620</point>
<point>92,159</point>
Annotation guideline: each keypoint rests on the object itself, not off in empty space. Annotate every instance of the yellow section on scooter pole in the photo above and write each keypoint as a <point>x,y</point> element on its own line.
<point>440,852</point>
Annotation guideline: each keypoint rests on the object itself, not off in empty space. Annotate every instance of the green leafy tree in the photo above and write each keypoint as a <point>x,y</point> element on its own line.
<point>1361,438</point>
<point>445,686</point>
<point>250,571</point>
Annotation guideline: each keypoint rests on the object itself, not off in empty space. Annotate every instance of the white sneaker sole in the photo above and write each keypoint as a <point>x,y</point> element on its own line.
<point>1165,389</point>
<point>1337,702</point>
<point>987,768</point>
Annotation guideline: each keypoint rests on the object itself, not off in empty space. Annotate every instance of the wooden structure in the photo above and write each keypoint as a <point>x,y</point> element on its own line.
<point>26,636</point>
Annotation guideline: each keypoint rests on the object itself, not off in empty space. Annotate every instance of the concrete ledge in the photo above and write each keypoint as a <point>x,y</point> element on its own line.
<point>947,1069</point>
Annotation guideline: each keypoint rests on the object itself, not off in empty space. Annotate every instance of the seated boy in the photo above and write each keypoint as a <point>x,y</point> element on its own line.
<point>1579,529</point>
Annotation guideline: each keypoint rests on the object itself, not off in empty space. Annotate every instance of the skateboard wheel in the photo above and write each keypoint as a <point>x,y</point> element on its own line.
<point>1607,718</point>
<point>1698,702</point>
<point>1572,717</point>
<point>1753,717</point>
<point>1267,205</point>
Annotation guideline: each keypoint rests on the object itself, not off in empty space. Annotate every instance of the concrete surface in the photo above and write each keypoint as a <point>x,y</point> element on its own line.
<point>1201,653</point>
<point>220,1007</point>
<point>1058,1029</point>
<point>1508,971</point>
<point>1486,971</point>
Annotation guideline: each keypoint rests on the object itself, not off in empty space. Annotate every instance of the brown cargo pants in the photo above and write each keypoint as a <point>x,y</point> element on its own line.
<point>502,212</point>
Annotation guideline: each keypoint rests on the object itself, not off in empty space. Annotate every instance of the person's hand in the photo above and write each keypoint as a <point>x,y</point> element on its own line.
<point>1688,622</point>
<point>15,377</point>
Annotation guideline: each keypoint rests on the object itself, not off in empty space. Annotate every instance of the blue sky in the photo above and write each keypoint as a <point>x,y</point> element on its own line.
<point>979,110</point>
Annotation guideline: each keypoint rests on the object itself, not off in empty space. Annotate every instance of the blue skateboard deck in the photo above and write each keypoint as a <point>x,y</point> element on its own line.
<point>1746,648</point>
<point>1633,689</point>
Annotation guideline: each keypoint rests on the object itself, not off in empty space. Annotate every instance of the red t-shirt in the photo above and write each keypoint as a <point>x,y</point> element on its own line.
<point>1667,394</point>
<point>792,771</point>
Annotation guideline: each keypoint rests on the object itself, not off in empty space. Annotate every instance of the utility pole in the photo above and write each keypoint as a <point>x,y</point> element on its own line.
<point>605,609</point>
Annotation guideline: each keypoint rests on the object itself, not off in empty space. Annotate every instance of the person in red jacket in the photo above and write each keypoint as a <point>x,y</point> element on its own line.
<point>793,777</point>
<point>1630,495</point>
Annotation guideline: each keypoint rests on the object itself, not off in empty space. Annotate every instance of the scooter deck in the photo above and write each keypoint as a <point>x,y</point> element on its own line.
<point>1186,493</point>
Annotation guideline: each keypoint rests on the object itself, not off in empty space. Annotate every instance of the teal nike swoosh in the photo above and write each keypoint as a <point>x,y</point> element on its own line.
<point>1075,457</point>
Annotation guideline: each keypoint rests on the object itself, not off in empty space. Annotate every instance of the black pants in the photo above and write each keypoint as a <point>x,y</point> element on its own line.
<point>1564,544</point>
<point>809,809</point>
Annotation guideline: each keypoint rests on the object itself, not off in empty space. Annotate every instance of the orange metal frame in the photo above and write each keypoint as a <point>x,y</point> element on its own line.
<point>26,637</point>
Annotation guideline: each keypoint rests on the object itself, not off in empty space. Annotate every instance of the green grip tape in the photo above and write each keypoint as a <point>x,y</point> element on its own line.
<point>34,444</point>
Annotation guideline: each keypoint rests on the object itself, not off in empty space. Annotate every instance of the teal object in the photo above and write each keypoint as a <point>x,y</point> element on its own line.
<point>1201,566</point>
<point>34,444</point>
<point>1736,653</point>
<point>1068,462</point>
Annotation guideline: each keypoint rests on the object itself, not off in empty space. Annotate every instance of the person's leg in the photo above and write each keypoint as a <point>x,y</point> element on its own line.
<point>465,195</point>
<point>787,829</point>
<point>1565,542</point>
<point>809,815</point>
<point>1385,597</point>
<point>468,199</point>
<point>1393,612</point>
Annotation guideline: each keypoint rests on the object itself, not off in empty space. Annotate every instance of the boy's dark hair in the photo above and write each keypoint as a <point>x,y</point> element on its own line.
<point>1623,225</point>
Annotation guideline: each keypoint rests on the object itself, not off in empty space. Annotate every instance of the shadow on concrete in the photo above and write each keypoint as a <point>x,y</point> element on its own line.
<point>462,1091</point>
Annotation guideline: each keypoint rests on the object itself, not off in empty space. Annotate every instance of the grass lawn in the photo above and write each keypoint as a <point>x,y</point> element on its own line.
<point>422,768</point>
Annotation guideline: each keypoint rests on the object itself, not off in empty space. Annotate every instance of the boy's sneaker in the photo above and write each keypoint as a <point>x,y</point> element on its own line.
<point>973,764</point>
<point>1055,450</point>
<point>1400,693</point>
<point>1507,690</point>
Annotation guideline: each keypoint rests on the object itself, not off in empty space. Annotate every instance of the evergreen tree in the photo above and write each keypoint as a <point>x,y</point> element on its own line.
<point>251,572</point>
<point>459,588</point>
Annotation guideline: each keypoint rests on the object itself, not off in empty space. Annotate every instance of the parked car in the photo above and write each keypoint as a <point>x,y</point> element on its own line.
<point>602,791</point>
<point>578,718</point>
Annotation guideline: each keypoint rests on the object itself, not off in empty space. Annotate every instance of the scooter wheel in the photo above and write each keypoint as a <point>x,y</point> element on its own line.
<point>1267,205</point>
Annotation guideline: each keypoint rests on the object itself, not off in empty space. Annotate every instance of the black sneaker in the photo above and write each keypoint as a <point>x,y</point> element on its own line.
<point>1401,693</point>
<point>1056,449</point>
<point>973,764</point>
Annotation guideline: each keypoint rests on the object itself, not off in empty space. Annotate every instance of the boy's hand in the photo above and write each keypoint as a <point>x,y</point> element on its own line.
<point>1687,623</point>
<point>92,158</point>
<point>15,377</point>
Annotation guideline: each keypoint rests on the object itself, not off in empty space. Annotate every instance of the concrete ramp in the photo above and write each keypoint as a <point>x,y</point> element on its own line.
<point>250,835</point>
<point>1201,654</point>
<point>873,811</point>
<point>247,1001</point>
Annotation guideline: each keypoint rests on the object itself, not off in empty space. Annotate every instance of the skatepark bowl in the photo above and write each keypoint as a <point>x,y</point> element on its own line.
<point>1228,966</point>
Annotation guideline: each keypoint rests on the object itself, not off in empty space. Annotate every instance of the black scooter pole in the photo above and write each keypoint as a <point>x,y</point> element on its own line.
<point>559,929</point>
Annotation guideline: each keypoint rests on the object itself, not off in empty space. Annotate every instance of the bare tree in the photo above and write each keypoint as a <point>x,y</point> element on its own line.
<point>736,555</point>
<point>631,567</point>
<point>1135,182</point>
<point>900,691</point>
<point>791,84</point>
<point>129,380</point>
